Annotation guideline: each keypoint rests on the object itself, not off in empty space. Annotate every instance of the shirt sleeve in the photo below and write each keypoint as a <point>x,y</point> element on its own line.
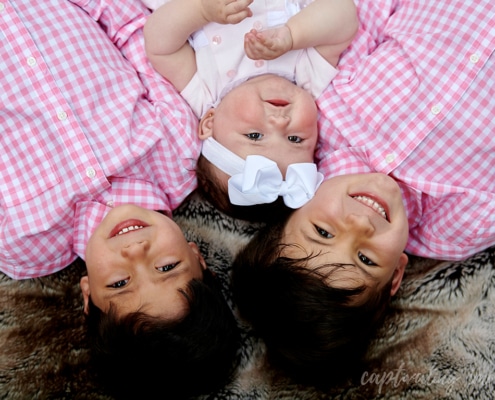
<point>313,73</point>
<point>123,22</point>
<point>153,4</point>
<point>119,19</point>
<point>451,228</point>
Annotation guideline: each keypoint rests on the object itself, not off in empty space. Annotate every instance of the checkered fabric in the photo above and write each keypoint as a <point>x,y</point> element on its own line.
<point>85,124</point>
<point>415,99</point>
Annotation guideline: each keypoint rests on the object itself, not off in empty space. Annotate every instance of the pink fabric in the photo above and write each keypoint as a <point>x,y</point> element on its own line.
<point>82,128</point>
<point>415,99</point>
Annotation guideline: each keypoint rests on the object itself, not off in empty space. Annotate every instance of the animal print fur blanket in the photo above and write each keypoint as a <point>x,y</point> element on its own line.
<point>438,341</point>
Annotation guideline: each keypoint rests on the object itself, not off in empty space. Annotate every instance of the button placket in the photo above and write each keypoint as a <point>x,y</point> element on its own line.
<point>62,115</point>
<point>474,58</point>
<point>435,110</point>
<point>90,172</point>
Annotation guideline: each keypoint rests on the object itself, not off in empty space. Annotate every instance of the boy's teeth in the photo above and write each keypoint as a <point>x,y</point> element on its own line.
<point>130,228</point>
<point>373,204</point>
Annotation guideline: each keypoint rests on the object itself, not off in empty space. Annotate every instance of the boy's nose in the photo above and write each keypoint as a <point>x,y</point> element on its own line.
<point>360,224</point>
<point>135,249</point>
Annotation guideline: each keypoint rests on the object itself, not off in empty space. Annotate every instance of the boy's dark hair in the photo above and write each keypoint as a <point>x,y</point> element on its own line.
<point>316,333</point>
<point>215,192</point>
<point>138,356</point>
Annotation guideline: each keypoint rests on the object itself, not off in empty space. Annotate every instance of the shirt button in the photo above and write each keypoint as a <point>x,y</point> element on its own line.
<point>259,63</point>
<point>258,25</point>
<point>216,39</point>
<point>389,158</point>
<point>90,172</point>
<point>435,109</point>
<point>62,115</point>
<point>31,61</point>
<point>474,58</point>
<point>231,73</point>
<point>110,203</point>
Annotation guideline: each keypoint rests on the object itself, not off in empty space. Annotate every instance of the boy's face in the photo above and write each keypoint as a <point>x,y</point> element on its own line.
<point>269,116</point>
<point>358,220</point>
<point>138,259</point>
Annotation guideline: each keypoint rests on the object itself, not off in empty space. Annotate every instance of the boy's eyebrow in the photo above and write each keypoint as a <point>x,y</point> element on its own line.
<point>113,295</point>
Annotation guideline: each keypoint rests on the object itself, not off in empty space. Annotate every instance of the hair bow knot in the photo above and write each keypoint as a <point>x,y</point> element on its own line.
<point>261,182</point>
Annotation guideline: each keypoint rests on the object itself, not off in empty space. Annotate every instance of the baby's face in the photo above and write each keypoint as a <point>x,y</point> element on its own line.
<point>269,116</point>
<point>357,220</point>
<point>139,259</point>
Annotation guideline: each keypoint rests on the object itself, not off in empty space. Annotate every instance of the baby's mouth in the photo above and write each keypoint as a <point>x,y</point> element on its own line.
<point>373,204</point>
<point>278,102</point>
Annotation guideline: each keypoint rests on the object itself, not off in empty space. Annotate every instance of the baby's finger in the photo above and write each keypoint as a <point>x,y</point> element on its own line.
<point>238,10</point>
<point>254,49</point>
<point>238,17</point>
<point>240,4</point>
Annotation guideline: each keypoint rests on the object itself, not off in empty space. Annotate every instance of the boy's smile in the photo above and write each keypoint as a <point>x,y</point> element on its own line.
<point>355,220</point>
<point>139,259</point>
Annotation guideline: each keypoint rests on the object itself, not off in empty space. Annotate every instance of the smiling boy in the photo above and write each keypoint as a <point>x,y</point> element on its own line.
<point>323,277</point>
<point>353,220</point>
<point>139,259</point>
<point>149,298</point>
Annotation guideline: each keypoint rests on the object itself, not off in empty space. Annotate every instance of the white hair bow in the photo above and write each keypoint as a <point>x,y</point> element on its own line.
<point>261,182</point>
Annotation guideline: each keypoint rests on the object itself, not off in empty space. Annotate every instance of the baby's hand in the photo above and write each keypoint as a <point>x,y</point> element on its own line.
<point>226,11</point>
<point>268,44</point>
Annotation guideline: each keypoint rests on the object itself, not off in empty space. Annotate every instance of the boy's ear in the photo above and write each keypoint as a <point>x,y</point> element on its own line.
<point>84,283</point>
<point>196,251</point>
<point>206,124</point>
<point>398,274</point>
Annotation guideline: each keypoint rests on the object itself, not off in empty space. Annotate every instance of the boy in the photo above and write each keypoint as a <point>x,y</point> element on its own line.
<point>149,299</point>
<point>82,133</point>
<point>323,277</point>
<point>412,104</point>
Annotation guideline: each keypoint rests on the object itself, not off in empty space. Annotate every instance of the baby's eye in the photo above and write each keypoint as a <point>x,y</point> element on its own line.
<point>168,267</point>
<point>254,136</point>
<point>119,284</point>
<point>323,233</point>
<point>365,260</point>
<point>295,139</point>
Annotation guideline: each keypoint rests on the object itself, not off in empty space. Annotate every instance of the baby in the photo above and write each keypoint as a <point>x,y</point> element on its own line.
<point>251,72</point>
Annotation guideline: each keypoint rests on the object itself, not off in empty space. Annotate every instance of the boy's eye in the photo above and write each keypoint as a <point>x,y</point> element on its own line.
<point>119,284</point>
<point>294,139</point>
<point>254,136</point>
<point>323,233</point>
<point>168,267</point>
<point>365,260</point>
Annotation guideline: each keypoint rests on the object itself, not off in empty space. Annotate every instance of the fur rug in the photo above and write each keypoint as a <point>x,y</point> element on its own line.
<point>438,341</point>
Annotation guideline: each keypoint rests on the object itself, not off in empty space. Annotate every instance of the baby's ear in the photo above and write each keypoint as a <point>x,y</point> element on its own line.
<point>84,283</point>
<point>206,125</point>
<point>398,274</point>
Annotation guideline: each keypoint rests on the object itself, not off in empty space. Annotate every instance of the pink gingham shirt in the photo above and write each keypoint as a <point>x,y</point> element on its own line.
<point>415,99</point>
<point>81,129</point>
